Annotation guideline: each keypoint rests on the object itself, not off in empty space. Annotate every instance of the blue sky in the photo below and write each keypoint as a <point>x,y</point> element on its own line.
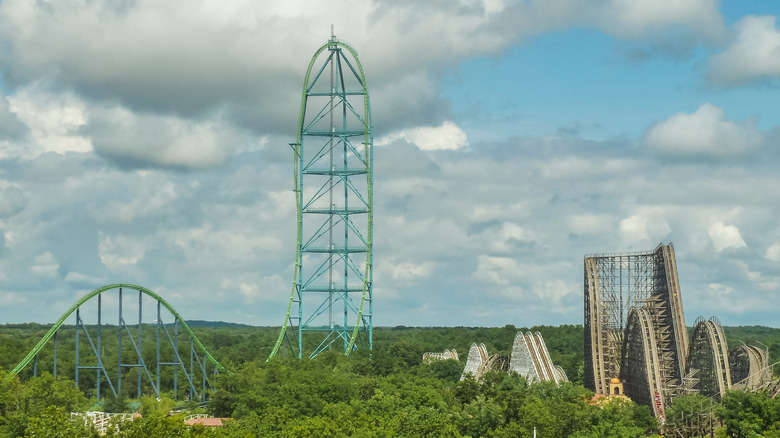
<point>147,142</point>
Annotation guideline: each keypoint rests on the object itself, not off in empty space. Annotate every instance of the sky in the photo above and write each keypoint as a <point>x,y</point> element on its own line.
<point>146,142</point>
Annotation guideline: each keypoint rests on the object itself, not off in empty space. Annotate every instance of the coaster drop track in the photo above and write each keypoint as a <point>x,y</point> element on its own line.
<point>108,365</point>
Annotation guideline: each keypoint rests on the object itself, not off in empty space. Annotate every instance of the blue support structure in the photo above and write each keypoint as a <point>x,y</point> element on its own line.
<point>331,300</point>
<point>197,379</point>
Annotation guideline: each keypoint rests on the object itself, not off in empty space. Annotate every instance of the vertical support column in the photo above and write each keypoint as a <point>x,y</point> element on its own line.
<point>99,351</point>
<point>192,368</point>
<point>78,322</point>
<point>35,366</point>
<point>176,355</point>
<point>203,393</point>
<point>159,322</point>
<point>140,345</point>
<point>55,353</point>
<point>119,347</point>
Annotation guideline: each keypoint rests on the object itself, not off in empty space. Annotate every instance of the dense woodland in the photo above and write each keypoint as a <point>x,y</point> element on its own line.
<point>386,392</point>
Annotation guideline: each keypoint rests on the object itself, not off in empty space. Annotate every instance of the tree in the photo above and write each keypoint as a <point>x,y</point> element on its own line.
<point>746,414</point>
<point>55,422</point>
<point>690,415</point>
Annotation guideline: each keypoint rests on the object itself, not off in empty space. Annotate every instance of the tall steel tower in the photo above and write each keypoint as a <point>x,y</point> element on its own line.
<point>331,299</point>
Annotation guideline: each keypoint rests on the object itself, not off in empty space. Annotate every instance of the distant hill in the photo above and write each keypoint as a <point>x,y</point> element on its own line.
<point>202,323</point>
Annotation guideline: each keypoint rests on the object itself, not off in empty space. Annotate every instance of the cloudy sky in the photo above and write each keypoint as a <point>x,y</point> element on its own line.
<point>147,142</point>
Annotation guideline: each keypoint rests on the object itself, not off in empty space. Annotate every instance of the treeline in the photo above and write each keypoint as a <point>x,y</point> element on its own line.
<point>384,392</point>
<point>235,345</point>
<point>369,395</point>
<point>382,395</point>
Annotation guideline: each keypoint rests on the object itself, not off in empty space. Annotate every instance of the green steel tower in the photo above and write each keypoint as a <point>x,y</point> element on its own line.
<point>331,299</point>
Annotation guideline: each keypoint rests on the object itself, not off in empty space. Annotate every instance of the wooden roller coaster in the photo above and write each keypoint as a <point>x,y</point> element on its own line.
<point>635,330</point>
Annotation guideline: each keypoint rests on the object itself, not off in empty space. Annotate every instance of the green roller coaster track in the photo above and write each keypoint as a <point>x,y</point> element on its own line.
<point>366,296</point>
<point>42,343</point>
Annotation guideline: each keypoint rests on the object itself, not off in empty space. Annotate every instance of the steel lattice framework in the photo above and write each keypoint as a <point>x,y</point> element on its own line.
<point>331,296</point>
<point>634,324</point>
<point>170,346</point>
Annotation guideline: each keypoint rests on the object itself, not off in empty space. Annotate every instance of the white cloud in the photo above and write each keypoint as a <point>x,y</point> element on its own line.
<point>120,253</point>
<point>412,271</point>
<point>446,136</point>
<point>508,238</point>
<point>647,227</point>
<point>83,279</point>
<point>45,265</point>
<point>10,125</point>
<point>12,201</point>
<point>254,288</point>
<point>725,236</point>
<point>513,279</point>
<point>53,119</point>
<point>773,252</point>
<point>591,224</point>
<point>753,57</point>
<point>500,271</point>
<point>12,298</point>
<point>705,133</point>
<point>213,245</point>
<point>193,58</point>
<point>132,138</point>
<point>721,290</point>
<point>649,19</point>
<point>154,197</point>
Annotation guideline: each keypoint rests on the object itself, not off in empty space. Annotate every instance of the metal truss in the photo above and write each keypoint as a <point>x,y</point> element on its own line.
<point>169,351</point>
<point>331,298</point>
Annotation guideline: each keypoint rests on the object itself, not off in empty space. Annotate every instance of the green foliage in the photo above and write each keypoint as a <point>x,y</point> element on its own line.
<point>153,406</point>
<point>156,426</point>
<point>386,392</point>
<point>26,409</point>
<point>691,415</point>
<point>115,404</point>
<point>747,415</point>
<point>55,422</point>
<point>448,370</point>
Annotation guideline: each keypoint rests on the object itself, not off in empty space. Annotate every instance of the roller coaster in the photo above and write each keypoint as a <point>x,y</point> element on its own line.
<point>107,366</point>
<point>331,297</point>
<point>635,331</point>
<point>529,359</point>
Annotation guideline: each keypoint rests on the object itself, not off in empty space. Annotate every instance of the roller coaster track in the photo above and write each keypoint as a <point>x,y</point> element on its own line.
<point>640,364</point>
<point>32,355</point>
<point>324,286</point>
<point>749,369</point>
<point>649,349</point>
<point>709,355</point>
<point>634,325</point>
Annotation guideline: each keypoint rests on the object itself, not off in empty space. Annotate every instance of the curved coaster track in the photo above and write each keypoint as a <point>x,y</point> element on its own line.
<point>111,363</point>
<point>331,296</point>
<point>529,359</point>
<point>635,329</point>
